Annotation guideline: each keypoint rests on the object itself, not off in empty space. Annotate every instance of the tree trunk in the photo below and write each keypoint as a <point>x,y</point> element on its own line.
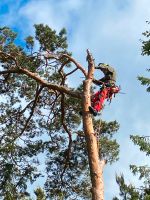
<point>96,166</point>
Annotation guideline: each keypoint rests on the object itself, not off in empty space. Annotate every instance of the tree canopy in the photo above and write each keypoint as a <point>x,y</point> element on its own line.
<point>41,129</point>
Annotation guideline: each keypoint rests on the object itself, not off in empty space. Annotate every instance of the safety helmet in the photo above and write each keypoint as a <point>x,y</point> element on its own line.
<point>103,65</point>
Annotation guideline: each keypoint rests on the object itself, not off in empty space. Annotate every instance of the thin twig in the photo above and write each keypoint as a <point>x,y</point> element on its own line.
<point>32,111</point>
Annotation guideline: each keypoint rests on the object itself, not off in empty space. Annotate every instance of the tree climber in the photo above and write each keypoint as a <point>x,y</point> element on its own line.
<point>107,89</point>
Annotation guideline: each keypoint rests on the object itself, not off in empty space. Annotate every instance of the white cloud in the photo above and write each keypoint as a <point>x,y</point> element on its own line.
<point>55,14</point>
<point>111,29</point>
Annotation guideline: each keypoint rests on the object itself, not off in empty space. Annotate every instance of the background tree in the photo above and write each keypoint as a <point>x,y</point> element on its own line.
<point>146,51</point>
<point>40,123</point>
<point>131,192</point>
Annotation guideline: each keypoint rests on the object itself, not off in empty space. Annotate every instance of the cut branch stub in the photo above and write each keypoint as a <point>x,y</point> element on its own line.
<point>91,65</point>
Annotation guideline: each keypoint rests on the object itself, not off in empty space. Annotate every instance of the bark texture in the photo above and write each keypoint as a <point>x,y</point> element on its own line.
<point>96,166</point>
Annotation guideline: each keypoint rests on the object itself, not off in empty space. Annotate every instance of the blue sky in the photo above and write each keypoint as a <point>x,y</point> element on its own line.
<point>112,30</point>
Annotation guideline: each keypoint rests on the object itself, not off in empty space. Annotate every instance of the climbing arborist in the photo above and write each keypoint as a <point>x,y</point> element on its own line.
<point>107,89</point>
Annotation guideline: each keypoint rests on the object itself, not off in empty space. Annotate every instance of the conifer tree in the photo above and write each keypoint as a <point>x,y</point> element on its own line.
<point>146,51</point>
<point>129,191</point>
<point>40,120</point>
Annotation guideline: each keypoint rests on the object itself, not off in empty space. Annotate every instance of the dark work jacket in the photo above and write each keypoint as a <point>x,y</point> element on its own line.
<point>110,76</point>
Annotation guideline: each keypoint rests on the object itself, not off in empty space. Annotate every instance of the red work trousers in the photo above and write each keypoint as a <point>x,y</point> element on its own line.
<point>98,99</point>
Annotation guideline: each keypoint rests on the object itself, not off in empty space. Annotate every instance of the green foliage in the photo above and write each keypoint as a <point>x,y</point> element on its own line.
<point>130,192</point>
<point>146,43</point>
<point>69,178</point>
<point>7,36</point>
<point>22,126</point>
<point>109,147</point>
<point>127,192</point>
<point>145,51</point>
<point>145,81</point>
<point>143,142</point>
<point>40,194</point>
<point>76,178</point>
<point>30,43</point>
<point>146,47</point>
<point>143,172</point>
<point>37,122</point>
<point>49,40</point>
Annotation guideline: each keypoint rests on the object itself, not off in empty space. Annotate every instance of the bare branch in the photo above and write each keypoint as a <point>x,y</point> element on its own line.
<point>34,76</point>
<point>68,151</point>
<point>24,109</point>
<point>72,72</point>
<point>51,55</point>
<point>59,88</point>
<point>44,83</point>
<point>79,66</point>
<point>61,72</point>
<point>52,109</point>
<point>32,111</point>
<point>65,63</point>
<point>10,71</point>
<point>65,75</point>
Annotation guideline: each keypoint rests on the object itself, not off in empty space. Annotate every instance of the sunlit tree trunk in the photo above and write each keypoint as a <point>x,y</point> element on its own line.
<point>96,166</point>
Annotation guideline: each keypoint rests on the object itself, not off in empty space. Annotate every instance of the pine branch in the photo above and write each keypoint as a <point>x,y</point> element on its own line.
<point>38,91</point>
<point>43,82</point>
<point>70,59</point>
<point>68,151</point>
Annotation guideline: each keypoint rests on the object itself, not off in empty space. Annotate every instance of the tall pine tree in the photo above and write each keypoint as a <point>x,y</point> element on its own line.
<point>40,121</point>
